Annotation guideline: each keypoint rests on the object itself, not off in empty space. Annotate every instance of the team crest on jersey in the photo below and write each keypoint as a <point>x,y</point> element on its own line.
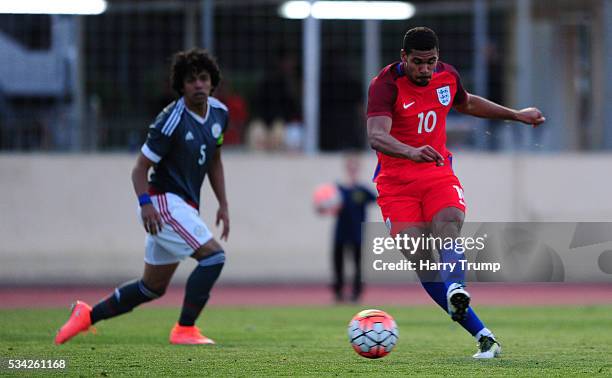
<point>444,95</point>
<point>216,130</point>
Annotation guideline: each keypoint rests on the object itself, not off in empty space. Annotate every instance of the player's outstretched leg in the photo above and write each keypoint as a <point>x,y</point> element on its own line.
<point>123,300</point>
<point>450,294</point>
<point>457,297</point>
<point>197,292</point>
<point>446,224</point>
<point>79,321</point>
<point>488,347</point>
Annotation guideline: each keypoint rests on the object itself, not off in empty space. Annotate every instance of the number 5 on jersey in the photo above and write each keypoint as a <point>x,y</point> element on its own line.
<point>428,120</point>
<point>202,158</point>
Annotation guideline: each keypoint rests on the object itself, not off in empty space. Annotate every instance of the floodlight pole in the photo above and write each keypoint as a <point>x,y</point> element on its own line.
<point>371,53</point>
<point>208,25</point>
<point>311,31</point>
<point>68,40</point>
<point>523,53</point>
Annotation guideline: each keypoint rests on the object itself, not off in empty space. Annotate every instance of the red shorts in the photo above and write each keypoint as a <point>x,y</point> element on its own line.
<point>418,201</point>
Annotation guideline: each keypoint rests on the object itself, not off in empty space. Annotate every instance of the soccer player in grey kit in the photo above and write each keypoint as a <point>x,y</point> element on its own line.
<point>182,146</point>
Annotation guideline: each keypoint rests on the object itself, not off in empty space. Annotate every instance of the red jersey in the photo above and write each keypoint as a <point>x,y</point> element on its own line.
<point>418,117</point>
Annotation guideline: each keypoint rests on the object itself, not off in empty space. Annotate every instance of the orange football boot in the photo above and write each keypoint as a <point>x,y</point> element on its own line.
<point>79,321</point>
<point>188,335</point>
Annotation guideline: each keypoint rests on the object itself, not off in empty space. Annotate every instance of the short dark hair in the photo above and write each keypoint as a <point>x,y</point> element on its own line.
<point>192,62</point>
<point>420,38</point>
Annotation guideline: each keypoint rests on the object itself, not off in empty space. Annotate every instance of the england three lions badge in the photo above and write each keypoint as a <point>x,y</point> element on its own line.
<point>444,95</point>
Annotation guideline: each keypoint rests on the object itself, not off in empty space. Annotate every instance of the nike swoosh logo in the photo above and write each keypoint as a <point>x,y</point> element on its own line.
<point>406,106</point>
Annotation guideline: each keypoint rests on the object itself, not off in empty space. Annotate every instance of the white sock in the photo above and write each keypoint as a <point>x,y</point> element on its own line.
<point>484,332</point>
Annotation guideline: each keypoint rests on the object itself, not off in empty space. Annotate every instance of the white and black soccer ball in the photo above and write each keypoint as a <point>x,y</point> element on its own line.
<point>373,333</point>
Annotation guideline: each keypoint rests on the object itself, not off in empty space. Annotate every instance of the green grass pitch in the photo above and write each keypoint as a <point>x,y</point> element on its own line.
<point>267,341</point>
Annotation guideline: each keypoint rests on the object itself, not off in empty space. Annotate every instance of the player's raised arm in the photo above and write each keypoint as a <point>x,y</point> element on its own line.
<point>381,140</point>
<point>481,107</point>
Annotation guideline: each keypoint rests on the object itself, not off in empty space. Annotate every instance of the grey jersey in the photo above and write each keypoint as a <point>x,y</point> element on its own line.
<point>182,145</point>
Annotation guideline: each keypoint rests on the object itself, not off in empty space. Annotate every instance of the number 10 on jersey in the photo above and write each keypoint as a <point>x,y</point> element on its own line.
<point>428,121</point>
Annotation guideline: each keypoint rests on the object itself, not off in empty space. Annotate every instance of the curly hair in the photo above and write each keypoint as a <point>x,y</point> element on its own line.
<point>420,38</point>
<point>192,62</point>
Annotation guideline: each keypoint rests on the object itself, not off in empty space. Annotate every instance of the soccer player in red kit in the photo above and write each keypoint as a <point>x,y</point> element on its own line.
<point>419,194</point>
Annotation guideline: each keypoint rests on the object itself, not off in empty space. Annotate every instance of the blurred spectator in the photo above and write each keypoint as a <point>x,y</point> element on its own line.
<point>341,123</point>
<point>347,236</point>
<point>238,113</point>
<point>278,107</point>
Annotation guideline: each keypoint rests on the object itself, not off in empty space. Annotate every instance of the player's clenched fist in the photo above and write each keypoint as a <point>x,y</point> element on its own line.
<point>425,154</point>
<point>531,116</point>
<point>151,219</point>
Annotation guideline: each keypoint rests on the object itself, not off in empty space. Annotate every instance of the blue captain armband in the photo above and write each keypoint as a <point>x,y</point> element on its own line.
<point>144,199</point>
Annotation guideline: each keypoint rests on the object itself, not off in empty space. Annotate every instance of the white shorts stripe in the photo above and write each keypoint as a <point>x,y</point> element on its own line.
<point>173,242</point>
<point>191,240</point>
<point>176,226</point>
<point>180,229</point>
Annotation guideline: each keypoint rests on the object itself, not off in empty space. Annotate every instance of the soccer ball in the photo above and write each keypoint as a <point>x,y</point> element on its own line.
<point>373,333</point>
<point>327,199</point>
